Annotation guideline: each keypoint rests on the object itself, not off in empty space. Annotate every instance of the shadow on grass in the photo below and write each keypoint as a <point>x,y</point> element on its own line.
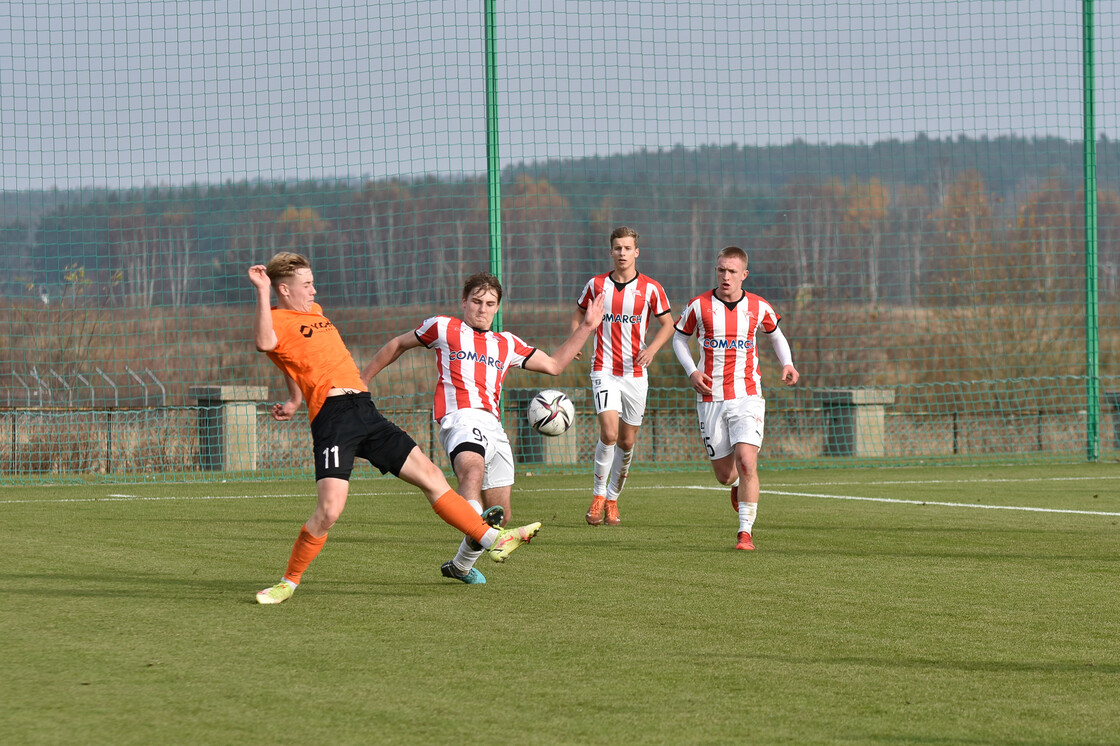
<point>930,664</point>
<point>132,585</point>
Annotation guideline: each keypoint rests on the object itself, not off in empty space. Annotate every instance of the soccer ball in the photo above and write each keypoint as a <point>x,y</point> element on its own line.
<point>551,412</point>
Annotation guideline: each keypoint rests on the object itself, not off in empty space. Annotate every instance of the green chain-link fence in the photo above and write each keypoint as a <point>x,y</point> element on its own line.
<point>907,177</point>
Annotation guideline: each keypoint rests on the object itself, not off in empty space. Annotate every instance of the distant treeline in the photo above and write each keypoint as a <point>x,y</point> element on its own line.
<point>921,223</point>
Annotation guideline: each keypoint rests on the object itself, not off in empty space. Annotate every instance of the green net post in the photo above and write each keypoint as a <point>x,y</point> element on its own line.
<point>493,160</point>
<point>1092,338</point>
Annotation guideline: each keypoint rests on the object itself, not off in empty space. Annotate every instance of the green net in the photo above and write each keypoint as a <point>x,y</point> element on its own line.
<point>909,179</point>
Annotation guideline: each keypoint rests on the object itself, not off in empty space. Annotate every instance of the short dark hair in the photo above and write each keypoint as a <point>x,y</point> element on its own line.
<point>482,281</point>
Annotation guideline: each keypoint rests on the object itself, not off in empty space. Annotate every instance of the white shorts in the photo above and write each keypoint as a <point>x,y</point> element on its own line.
<point>475,429</point>
<point>623,394</point>
<point>725,423</point>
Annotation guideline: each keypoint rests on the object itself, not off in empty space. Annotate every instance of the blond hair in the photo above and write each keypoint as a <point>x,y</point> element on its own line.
<point>733,252</point>
<point>285,265</point>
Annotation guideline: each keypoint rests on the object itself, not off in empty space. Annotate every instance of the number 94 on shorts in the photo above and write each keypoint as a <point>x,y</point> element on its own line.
<point>725,423</point>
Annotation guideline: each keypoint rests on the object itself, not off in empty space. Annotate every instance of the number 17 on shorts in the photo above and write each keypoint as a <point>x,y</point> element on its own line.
<point>623,394</point>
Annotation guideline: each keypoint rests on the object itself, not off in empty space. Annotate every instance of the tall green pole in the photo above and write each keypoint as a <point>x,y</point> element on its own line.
<point>1092,338</point>
<point>493,162</point>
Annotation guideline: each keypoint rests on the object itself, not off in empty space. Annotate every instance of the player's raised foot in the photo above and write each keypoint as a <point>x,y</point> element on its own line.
<point>612,518</point>
<point>510,539</point>
<point>735,498</point>
<point>745,541</point>
<point>277,594</point>
<point>474,577</point>
<point>595,512</point>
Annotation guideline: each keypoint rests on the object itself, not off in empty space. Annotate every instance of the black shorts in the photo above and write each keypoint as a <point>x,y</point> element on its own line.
<point>349,425</point>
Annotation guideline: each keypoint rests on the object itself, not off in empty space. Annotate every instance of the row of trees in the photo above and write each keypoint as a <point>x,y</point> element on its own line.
<point>387,243</point>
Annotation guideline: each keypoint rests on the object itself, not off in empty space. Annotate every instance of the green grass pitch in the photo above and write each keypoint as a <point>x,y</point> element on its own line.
<point>899,606</point>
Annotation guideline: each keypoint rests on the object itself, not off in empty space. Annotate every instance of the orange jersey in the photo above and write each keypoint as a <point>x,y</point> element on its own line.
<point>311,352</point>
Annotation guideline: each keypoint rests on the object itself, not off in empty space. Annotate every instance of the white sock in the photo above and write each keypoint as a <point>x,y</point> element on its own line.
<point>489,538</point>
<point>293,585</point>
<point>735,483</point>
<point>620,469</point>
<point>467,555</point>
<point>604,458</point>
<point>747,512</point>
<point>465,558</point>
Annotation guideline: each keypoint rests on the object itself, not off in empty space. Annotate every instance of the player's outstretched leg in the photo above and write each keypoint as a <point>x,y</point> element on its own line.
<point>510,539</point>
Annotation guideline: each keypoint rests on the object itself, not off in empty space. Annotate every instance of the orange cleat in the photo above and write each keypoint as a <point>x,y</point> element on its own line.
<point>595,512</point>
<point>745,541</point>
<point>612,513</point>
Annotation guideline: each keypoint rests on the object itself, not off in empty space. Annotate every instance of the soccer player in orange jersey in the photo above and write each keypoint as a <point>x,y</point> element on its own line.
<point>473,361</point>
<point>619,384</point>
<point>729,403</point>
<point>318,369</point>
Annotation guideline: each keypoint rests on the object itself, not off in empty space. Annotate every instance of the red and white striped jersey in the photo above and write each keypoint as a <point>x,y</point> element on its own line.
<point>471,364</point>
<point>627,310</point>
<point>727,335</point>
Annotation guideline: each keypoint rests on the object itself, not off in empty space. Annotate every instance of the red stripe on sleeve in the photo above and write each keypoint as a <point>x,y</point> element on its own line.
<point>428,331</point>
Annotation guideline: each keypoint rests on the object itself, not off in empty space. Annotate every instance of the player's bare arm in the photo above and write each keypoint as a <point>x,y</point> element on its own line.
<point>664,334</point>
<point>284,410</point>
<point>555,364</point>
<point>264,335</point>
<point>388,355</point>
<point>577,318</point>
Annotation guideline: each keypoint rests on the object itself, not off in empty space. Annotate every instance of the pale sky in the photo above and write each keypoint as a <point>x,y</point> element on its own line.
<point>120,94</point>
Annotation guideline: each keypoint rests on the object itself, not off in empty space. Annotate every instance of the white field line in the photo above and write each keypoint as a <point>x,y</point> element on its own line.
<point>945,481</point>
<point>117,497</point>
<point>141,498</point>
<point>914,502</point>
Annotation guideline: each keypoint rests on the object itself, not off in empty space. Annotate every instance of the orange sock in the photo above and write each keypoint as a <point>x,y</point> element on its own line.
<point>306,549</point>
<point>453,509</point>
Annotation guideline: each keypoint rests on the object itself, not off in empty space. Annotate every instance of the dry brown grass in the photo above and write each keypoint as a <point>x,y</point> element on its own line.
<point>1011,379</point>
